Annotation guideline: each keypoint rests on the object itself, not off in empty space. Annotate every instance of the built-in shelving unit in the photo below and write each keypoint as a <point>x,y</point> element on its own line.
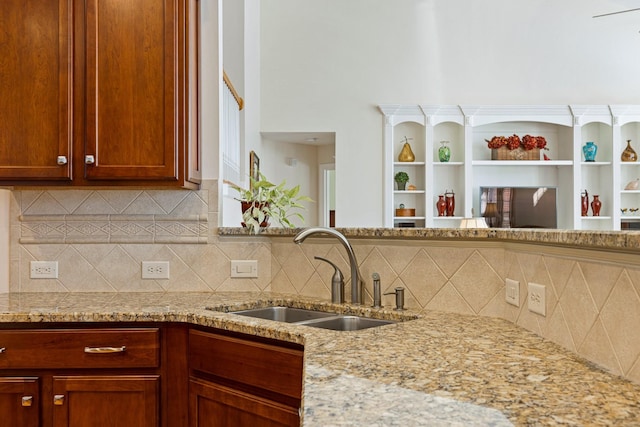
<point>566,129</point>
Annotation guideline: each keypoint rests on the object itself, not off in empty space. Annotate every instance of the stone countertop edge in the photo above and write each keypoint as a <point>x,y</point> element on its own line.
<point>592,239</point>
<point>437,369</point>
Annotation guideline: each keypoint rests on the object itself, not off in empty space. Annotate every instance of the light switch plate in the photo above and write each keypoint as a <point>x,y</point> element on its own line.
<point>244,268</point>
<point>512,291</point>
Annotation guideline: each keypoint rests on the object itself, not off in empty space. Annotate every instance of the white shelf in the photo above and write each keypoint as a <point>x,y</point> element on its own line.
<point>408,218</point>
<point>408,191</point>
<point>437,164</point>
<point>596,163</point>
<point>566,128</point>
<point>542,163</point>
<point>408,163</point>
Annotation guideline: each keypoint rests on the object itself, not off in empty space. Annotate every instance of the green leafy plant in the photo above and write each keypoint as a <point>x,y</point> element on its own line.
<point>265,200</point>
<point>401,177</point>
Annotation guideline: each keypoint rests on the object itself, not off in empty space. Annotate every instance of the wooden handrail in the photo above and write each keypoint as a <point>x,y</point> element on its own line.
<point>233,90</point>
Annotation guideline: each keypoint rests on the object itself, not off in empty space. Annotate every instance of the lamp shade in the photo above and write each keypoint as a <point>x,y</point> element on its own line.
<point>491,211</point>
<point>473,223</point>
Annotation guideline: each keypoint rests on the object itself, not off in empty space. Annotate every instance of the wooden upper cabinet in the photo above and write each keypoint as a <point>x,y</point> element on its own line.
<point>36,100</point>
<point>131,90</point>
<point>110,85</point>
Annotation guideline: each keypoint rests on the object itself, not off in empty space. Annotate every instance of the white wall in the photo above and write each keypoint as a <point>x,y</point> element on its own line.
<point>326,65</point>
<point>241,61</point>
<point>273,163</point>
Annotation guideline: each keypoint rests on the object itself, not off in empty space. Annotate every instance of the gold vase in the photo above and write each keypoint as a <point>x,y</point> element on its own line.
<point>406,155</point>
<point>629,154</point>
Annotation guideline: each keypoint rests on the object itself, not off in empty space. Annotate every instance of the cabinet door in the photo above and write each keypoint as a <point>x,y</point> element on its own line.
<point>214,405</point>
<point>133,100</point>
<point>19,401</point>
<point>106,401</point>
<point>35,106</point>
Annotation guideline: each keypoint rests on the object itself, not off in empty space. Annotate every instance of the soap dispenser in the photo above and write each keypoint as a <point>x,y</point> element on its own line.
<point>337,283</point>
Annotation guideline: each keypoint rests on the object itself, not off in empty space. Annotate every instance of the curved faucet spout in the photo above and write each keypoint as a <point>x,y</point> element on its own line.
<point>356,277</point>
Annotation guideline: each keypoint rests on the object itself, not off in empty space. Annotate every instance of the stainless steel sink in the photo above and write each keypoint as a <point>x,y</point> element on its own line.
<point>284,314</point>
<point>314,318</point>
<point>348,323</point>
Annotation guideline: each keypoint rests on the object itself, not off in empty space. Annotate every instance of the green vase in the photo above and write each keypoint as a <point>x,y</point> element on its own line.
<point>444,152</point>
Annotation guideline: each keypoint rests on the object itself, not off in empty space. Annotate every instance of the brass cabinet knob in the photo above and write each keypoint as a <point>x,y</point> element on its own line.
<point>27,400</point>
<point>62,160</point>
<point>58,399</point>
<point>89,159</point>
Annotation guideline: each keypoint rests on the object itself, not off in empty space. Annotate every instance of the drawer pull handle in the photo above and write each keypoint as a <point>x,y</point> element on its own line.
<point>58,399</point>
<point>27,400</point>
<point>3,350</point>
<point>104,350</point>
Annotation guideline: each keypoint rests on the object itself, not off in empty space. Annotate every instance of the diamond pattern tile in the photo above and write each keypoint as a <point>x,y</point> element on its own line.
<point>476,274</point>
<point>621,316</point>
<point>593,306</point>
<point>578,306</point>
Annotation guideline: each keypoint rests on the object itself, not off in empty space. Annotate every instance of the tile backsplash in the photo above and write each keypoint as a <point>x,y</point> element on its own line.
<point>100,237</point>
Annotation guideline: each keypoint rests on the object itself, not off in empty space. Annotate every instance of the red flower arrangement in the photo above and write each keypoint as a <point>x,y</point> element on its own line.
<point>512,142</point>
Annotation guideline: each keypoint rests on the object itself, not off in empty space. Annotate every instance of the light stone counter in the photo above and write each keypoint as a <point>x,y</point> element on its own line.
<point>438,370</point>
<point>626,241</point>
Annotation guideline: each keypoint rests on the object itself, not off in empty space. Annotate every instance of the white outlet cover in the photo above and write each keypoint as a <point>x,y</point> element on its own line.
<point>43,270</point>
<point>155,269</point>
<point>537,299</point>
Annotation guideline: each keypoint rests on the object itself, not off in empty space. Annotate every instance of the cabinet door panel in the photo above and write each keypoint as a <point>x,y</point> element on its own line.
<point>131,84</point>
<point>106,401</point>
<point>35,70</point>
<point>213,405</point>
<point>19,401</point>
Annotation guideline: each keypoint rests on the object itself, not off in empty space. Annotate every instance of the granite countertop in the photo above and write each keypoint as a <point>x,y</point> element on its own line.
<point>438,369</point>
<point>626,241</point>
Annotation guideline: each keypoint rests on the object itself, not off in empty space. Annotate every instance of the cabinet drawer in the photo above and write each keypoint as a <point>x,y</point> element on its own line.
<point>269,367</point>
<point>80,348</point>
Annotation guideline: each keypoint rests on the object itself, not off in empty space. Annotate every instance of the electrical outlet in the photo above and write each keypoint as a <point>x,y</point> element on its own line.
<point>155,269</point>
<point>536,299</point>
<point>512,290</point>
<point>44,269</point>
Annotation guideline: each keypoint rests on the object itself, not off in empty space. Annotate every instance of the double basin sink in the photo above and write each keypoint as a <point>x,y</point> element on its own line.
<point>314,318</point>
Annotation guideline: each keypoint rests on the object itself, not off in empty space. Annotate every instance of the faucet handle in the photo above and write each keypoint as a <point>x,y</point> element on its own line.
<point>337,283</point>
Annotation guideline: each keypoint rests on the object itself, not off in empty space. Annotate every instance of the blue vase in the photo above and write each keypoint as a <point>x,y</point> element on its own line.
<point>590,149</point>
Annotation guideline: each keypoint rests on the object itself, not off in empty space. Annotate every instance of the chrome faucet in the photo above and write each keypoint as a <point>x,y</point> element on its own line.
<point>356,281</point>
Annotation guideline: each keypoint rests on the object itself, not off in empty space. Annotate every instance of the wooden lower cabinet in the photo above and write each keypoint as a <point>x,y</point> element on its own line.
<point>146,375</point>
<point>214,405</point>
<point>19,401</point>
<point>106,401</point>
<point>239,380</point>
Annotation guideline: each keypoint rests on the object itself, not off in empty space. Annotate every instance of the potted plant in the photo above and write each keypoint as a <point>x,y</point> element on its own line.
<point>265,200</point>
<point>401,178</point>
